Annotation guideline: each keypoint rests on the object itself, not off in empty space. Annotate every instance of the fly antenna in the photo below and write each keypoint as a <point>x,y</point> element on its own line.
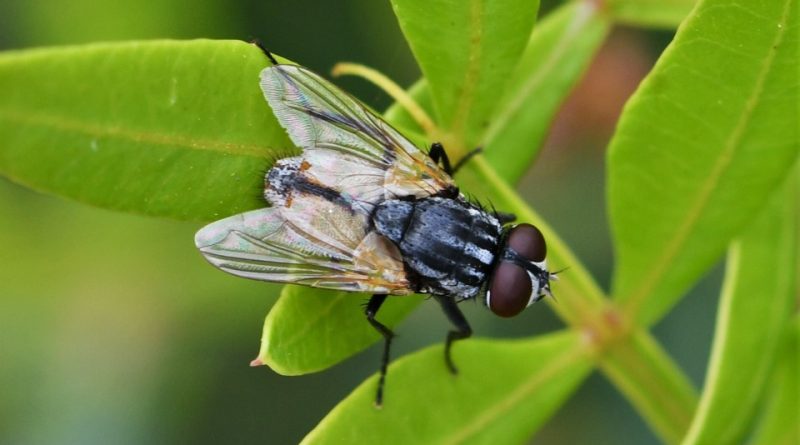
<point>268,53</point>
<point>554,275</point>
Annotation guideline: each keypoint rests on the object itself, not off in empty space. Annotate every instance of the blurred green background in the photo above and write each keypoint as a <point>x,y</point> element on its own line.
<point>113,329</point>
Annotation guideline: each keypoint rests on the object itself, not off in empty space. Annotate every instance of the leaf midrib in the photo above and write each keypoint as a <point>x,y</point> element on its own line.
<point>471,74</point>
<point>64,124</point>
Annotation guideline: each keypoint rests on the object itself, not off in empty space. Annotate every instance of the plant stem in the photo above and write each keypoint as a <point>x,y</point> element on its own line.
<point>652,382</point>
<point>392,89</point>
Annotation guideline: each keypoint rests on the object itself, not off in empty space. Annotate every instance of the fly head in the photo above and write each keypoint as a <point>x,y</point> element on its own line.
<point>520,277</point>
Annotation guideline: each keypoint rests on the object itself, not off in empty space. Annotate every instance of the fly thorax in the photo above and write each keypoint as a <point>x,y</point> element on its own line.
<point>391,218</point>
<point>449,244</point>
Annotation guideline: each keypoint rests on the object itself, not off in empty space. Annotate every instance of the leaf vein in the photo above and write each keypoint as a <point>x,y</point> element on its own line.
<point>473,68</point>
<point>64,124</point>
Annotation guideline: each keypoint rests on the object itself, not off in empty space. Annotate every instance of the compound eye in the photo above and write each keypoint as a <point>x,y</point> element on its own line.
<point>528,241</point>
<point>509,290</point>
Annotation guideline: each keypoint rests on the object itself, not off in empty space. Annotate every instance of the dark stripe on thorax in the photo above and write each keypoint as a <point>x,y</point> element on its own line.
<point>447,258</point>
<point>484,234</point>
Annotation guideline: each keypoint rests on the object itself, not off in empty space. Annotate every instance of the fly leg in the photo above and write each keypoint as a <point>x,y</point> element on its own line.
<point>437,154</point>
<point>459,322</point>
<point>372,309</point>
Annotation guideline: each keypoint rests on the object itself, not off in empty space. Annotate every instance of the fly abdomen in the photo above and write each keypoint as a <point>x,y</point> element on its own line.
<point>449,244</point>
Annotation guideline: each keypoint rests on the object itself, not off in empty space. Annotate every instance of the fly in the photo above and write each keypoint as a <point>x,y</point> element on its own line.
<point>364,210</point>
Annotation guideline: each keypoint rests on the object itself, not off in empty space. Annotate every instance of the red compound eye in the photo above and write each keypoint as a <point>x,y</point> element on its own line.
<point>509,290</point>
<point>528,241</point>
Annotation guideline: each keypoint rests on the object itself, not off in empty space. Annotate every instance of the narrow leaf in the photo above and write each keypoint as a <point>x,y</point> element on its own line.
<point>308,330</point>
<point>708,135</point>
<point>165,128</point>
<point>650,13</point>
<point>757,300</point>
<point>467,51</point>
<point>559,51</point>
<point>503,393</point>
<point>779,423</point>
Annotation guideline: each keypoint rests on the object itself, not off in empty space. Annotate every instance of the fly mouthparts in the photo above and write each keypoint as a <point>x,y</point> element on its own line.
<point>547,292</point>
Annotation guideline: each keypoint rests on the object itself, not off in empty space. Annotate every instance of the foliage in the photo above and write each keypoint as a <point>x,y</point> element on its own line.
<point>704,159</point>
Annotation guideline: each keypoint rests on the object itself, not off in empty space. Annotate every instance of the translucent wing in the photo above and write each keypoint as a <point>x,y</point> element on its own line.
<point>318,232</point>
<point>346,147</point>
<point>263,245</point>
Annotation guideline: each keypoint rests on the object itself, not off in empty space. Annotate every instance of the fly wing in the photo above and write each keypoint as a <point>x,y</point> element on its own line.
<point>263,245</point>
<point>346,146</point>
<point>318,230</point>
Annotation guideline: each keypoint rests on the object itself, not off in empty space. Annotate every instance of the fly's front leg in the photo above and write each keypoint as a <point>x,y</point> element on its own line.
<point>372,309</point>
<point>437,154</point>
<point>459,322</point>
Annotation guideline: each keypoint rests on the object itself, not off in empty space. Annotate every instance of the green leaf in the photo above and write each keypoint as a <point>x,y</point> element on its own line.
<point>650,13</point>
<point>559,51</point>
<point>309,329</point>
<point>503,393</point>
<point>708,135</point>
<point>757,300</point>
<point>779,423</point>
<point>165,128</point>
<point>467,51</point>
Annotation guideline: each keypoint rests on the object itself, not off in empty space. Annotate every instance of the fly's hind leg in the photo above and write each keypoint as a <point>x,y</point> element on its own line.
<point>437,154</point>
<point>459,322</point>
<point>372,309</point>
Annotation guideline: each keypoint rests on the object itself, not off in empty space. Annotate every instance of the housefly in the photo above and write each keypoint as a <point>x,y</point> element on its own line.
<point>364,210</point>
